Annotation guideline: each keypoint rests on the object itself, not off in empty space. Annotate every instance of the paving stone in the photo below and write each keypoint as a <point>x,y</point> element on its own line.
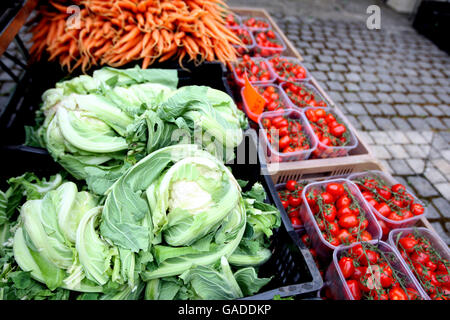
<point>433,175</point>
<point>442,205</point>
<point>399,97</point>
<point>351,97</point>
<point>336,96</point>
<point>369,77</point>
<point>418,110</point>
<point>387,109</point>
<point>333,85</point>
<point>396,136</point>
<point>384,97</point>
<point>401,123</point>
<point>442,165</point>
<point>418,151</point>
<point>445,109</point>
<point>416,98</point>
<point>416,137</point>
<point>322,67</point>
<point>350,86</point>
<point>373,109</point>
<point>422,186</point>
<point>434,111</point>
<point>386,166</point>
<point>444,189</point>
<point>353,77</point>
<point>355,108</point>
<point>398,87</point>
<point>400,167</point>
<point>384,123</point>
<point>431,98</point>
<point>367,123</point>
<point>444,235</point>
<point>366,137</point>
<point>418,123</point>
<point>403,110</point>
<point>444,97</point>
<point>397,151</point>
<point>380,152</point>
<point>384,87</point>
<point>435,123</point>
<point>367,86</point>
<point>417,165</point>
<point>432,212</point>
<point>380,137</point>
<point>338,67</point>
<point>355,122</point>
<point>321,76</point>
<point>325,59</point>
<point>368,97</point>
<point>334,76</point>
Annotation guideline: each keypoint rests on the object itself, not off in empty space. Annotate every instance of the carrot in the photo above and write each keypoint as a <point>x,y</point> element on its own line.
<point>115,32</point>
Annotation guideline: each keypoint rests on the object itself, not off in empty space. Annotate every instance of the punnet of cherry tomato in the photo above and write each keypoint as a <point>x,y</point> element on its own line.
<point>233,20</point>
<point>334,137</point>
<point>246,37</point>
<point>286,135</point>
<point>288,69</point>
<point>268,43</point>
<point>393,205</point>
<point>371,271</point>
<point>290,194</point>
<point>256,23</point>
<point>303,95</point>
<point>428,259</point>
<point>334,213</point>
<point>257,70</point>
<point>274,100</point>
<point>319,264</point>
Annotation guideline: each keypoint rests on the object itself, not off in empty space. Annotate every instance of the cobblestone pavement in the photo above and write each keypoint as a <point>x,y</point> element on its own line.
<point>393,84</point>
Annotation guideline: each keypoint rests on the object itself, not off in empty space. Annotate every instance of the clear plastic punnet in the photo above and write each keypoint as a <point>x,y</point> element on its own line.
<point>241,82</point>
<point>262,51</point>
<point>274,155</point>
<point>307,86</point>
<point>284,102</point>
<point>292,60</point>
<point>436,243</point>
<point>338,285</point>
<point>248,47</point>
<point>390,224</point>
<point>325,151</point>
<point>324,248</point>
<point>238,20</point>
<point>244,19</point>
<point>299,228</point>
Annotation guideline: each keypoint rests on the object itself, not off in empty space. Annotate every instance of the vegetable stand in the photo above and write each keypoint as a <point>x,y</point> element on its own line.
<point>127,169</point>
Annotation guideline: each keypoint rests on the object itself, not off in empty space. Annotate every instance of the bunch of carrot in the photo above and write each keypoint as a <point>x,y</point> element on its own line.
<point>115,32</point>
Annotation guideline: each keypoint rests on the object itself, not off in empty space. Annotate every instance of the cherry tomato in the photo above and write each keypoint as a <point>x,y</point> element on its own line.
<point>291,185</point>
<point>336,189</point>
<point>347,267</point>
<point>397,294</point>
<point>354,289</point>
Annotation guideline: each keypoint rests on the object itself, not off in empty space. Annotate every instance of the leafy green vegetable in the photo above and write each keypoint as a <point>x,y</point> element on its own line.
<point>98,126</point>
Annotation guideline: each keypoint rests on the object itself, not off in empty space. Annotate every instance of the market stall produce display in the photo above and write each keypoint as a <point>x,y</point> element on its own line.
<point>116,32</point>
<point>371,271</point>
<point>427,257</point>
<point>97,127</point>
<point>156,212</point>
<point>147,230</point>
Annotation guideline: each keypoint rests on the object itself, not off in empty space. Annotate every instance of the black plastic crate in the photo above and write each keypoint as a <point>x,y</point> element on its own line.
<point>26,99</point>
<point>291,264</point>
